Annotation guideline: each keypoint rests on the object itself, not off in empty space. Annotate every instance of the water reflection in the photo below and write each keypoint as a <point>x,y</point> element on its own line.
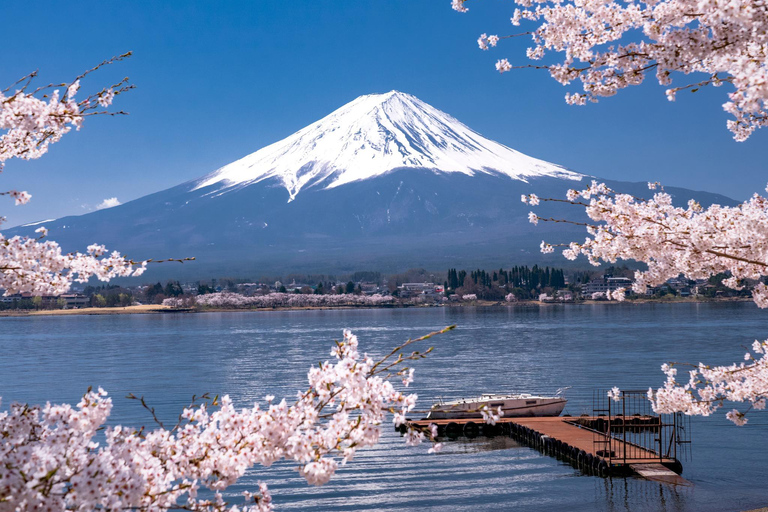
<point>635,494</point>
<point>481,444</point>
<point>168,358</point>
<point>477,444</point>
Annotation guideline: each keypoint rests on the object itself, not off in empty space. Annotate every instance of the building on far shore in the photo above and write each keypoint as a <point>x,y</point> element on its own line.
<point>430,290</point>
<point>75,301</point>
<point>369,288</point>
<point>66,301</point>
<point>605,285</point>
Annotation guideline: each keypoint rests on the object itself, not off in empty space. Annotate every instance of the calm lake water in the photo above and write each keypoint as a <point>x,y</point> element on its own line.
<point>247,355</point>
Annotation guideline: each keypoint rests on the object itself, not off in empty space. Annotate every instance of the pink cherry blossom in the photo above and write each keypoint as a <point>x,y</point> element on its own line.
<point>28,126</point>
<point>610,45</point>
<point>52,459</point>
<point>697,243</point>
<point>229,300</point>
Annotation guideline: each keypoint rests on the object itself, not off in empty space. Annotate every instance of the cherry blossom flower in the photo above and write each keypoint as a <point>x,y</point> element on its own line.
<point>697,243</point>
<point>489,416</point>
<point>610,45</point>
<point>503,65</point>
<point>436,448</point>
<point>20,197</point>
<point>229,300</point>
<point>28,126</point>
<point>52,458</point>
<point>484,41</point>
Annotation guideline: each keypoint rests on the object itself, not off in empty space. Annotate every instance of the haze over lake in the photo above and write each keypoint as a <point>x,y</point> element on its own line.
<point>167,358</point>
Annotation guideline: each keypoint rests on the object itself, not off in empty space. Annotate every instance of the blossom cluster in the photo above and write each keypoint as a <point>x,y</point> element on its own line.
<point>693,241</point>
<point>19,196</point>
<point>229,300</point>
<point>31,124</point>
<point>52,459</point>
<point>708,387</point>
<point>491,416</point>
<point>610,45</point>
<point>38,267</point>
<point>28,126</point>
<point>672,240</point>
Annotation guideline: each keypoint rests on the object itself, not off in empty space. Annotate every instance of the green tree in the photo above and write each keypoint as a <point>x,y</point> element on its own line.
<point>203,289</point>
<point>173,289</point>
<point>151,291</point>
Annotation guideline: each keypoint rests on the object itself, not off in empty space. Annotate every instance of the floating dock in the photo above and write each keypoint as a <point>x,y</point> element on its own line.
<point>599,445</point>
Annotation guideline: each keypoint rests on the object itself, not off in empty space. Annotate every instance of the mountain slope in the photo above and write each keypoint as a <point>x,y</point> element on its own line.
<point>386,183</point>
<point>371,136</point>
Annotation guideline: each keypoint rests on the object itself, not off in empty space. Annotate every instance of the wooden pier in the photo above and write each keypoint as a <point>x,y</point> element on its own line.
<point>589,443</point>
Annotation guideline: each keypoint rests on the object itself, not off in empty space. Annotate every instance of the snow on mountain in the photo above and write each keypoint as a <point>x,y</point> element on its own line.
<point>420,190</point>
<point>370,136</point>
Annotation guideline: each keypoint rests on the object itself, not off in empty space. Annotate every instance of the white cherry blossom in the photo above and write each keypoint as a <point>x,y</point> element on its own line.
<point>698,243</point>
<point>609,45</point>
<point>29,124</point>
<point>229,300</point>
<point>52,458</point>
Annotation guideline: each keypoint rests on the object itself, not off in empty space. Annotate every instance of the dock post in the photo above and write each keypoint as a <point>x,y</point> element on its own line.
<point>624,424</point>
<point>609,455</point>
<point>674,433</point>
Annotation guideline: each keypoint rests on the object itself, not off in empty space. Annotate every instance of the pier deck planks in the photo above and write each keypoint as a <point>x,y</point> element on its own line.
<point>564,429</point>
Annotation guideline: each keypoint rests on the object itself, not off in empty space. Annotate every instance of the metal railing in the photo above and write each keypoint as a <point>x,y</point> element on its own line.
<point>627,430</point>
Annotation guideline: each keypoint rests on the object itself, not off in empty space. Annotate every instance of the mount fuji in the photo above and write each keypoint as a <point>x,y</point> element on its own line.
<point>386,182</point>
<point>372,136</point>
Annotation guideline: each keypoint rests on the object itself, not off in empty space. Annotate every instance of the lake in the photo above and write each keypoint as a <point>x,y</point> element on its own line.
<point>169,357</point>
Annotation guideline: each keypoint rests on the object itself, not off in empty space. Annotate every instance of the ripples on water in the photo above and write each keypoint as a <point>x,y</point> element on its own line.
<point>168,358</point>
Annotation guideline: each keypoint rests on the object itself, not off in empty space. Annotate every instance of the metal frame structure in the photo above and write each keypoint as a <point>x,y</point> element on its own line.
<point>627,430</point>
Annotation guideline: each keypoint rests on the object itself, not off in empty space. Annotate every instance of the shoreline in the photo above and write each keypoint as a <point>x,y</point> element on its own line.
<point>160,309</point>
<point>127,310</point>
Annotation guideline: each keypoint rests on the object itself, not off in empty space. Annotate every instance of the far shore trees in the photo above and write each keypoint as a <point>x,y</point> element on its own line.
<point>523,281</point>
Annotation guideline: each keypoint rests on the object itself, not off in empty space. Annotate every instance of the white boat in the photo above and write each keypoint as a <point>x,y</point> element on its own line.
<point>513,405</point>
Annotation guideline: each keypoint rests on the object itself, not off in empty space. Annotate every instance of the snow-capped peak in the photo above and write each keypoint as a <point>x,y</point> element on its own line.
<point>375,134</point>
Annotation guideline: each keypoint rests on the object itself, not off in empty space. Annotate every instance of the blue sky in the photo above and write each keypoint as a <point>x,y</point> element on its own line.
<point>219,80</point>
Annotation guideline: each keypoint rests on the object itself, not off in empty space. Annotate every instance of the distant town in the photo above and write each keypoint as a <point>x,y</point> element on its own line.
<point>519,284</point>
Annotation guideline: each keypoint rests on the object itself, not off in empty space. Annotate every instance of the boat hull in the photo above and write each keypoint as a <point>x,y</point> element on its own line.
<point>516,408</point>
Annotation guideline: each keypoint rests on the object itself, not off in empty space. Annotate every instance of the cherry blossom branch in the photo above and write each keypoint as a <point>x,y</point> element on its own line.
<point>27,78</point>
<point>28,125</point>
<point>400,348</point>
<point>619,42</point>
<point>51,458</point>
<point>693,242</point>
<point>31,124</point>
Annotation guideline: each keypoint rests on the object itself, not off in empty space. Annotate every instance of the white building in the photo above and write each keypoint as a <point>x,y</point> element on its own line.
<point>75,300</point>
<point>605,285</point>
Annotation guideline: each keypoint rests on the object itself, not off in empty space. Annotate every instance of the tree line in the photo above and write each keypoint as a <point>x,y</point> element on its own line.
<point>522,281</point>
